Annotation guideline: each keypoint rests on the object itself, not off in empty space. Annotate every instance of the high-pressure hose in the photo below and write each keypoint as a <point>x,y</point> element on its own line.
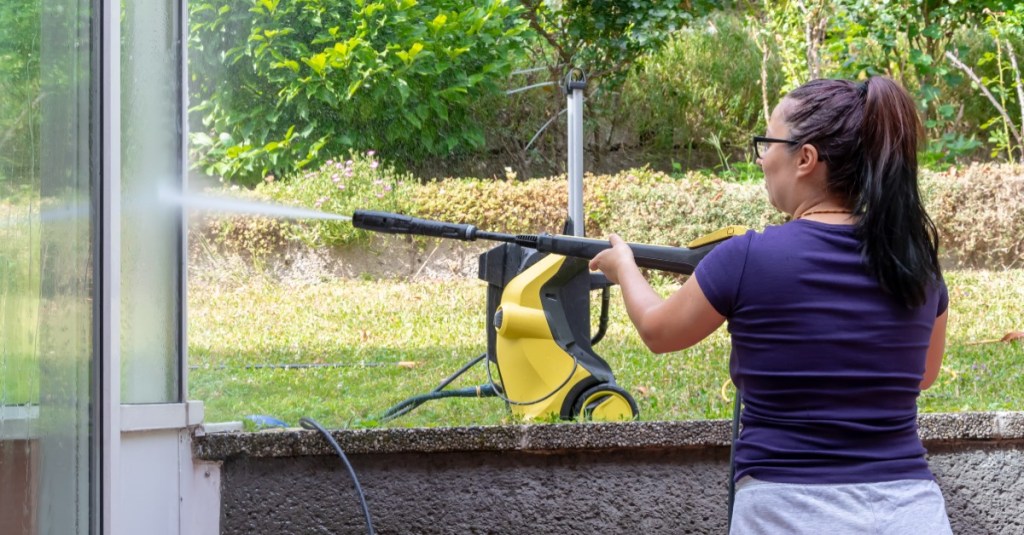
<point>732,456</point>
<point>438,392</point>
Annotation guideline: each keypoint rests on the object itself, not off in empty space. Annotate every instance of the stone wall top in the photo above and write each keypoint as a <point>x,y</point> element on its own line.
<point>934,428</point>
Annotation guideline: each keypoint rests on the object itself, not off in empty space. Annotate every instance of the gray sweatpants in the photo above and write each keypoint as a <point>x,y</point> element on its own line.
<point>903,507</point>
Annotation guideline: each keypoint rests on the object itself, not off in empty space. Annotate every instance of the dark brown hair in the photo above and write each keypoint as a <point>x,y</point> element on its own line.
<point>868,135</point>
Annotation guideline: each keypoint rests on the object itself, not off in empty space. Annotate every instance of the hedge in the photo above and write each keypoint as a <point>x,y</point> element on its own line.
<point>977,210</point>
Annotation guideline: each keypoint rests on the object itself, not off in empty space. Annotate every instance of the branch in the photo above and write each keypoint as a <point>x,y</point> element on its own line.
<point>531,15</point>
<point>974,77</point>
<point>1020,91</point>
<point>765,57</point>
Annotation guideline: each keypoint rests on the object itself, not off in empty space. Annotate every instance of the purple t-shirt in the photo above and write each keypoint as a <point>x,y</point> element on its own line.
<point>829,366</point>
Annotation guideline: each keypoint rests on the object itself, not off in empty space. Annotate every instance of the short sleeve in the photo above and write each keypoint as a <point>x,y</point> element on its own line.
<point>943,298</point>
<point>719,273</point>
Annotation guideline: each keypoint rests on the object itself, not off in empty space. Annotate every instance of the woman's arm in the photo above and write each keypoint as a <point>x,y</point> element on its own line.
<point>682,320</point>
<point>936,347</point>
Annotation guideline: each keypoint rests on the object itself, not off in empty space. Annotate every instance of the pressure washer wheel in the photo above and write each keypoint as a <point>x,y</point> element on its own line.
<point>605,402</point>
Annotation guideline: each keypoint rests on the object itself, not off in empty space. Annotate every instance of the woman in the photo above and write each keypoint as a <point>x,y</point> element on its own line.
<point>837,318</point>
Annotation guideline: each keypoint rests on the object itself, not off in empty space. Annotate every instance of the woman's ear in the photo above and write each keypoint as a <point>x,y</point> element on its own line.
<point>807,159</point>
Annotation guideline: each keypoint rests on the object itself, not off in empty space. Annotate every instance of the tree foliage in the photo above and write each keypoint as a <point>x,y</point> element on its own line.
<point>282,86</point>
<point>902,39</point>
<point>606,39</point>
<point>305,80</point>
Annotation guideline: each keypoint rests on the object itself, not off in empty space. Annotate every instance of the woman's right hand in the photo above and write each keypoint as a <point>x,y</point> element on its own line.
<point>612,261</point>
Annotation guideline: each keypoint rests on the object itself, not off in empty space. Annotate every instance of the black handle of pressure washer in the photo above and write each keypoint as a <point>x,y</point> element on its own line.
<point>672,259</point>
<point>390,223</point>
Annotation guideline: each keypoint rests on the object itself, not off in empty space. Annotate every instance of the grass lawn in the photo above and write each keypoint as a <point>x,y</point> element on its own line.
<point>366,345</point>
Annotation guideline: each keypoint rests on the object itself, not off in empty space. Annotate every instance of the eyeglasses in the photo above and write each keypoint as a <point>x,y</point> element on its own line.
<point>762,144</point>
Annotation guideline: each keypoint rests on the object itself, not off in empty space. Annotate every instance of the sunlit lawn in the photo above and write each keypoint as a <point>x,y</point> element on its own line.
<point>375,343</point>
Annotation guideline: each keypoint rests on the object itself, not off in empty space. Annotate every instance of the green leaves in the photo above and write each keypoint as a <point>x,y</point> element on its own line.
<point>438,23</point>
<point>269,5</point>
<point>318,63</point>
<point>393,75</point>
<point>409,56</point>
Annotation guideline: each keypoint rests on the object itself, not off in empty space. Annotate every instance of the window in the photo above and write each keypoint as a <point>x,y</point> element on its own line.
<point>49,136</point>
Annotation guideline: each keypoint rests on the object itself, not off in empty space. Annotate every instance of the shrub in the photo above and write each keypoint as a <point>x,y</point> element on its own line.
<point>672,211</point>
<point>979,214</point>
<point>976,209</point>
<point>255,237</point>
<point>339,186</point>
<point>704,83</point>
<point>530,206</point>
<point>312,78</point>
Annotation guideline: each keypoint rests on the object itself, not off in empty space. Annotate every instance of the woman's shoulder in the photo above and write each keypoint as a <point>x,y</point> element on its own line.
<point>800,229</point>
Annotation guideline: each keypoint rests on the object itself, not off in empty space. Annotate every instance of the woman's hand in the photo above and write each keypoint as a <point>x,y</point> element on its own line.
<point>664,325</point>
<point>612,261</point>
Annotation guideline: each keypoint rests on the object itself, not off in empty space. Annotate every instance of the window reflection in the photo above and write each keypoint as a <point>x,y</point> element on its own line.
<point>47,254</point>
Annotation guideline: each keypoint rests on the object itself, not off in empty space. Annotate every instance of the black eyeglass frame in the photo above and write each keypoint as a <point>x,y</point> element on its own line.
<point>763,139</point>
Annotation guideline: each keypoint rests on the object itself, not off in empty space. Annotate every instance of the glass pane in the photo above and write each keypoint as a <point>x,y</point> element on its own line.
<point>151,111</point>
<point>46,265</point>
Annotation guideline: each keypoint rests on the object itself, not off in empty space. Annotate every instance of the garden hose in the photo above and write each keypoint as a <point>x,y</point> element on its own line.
<point>311,424</point>
<point>480,391</point>
<point>411,403</point>
<point>732,456</point>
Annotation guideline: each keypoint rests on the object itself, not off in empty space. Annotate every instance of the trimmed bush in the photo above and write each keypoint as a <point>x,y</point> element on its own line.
<point>672,211</point>
<point>977,209</point>
<point>979,212</point>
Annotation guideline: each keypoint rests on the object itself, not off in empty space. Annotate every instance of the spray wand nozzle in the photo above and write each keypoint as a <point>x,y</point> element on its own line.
<point>680,260</point>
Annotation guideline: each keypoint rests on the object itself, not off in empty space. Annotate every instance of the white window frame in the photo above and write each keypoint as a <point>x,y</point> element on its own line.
<point>144,449</point>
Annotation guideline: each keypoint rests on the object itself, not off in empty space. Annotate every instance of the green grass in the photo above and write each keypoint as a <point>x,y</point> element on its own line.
<point>364,329</point>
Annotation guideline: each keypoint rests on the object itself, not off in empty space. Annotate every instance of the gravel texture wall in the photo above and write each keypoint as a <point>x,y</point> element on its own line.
<point>635,477</point>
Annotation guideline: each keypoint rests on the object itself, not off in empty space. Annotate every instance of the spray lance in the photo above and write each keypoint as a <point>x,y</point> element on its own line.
<point>680,260</point>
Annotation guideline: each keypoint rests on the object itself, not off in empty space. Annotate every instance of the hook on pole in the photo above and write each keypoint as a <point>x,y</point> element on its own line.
<point>574,79</point>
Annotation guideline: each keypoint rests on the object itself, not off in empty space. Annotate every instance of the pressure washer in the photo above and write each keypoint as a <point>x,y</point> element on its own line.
<point>538,302</point>
<point>538,310</point>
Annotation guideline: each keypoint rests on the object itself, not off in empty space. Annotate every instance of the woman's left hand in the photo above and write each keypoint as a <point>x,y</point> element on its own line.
<point>612,261</point>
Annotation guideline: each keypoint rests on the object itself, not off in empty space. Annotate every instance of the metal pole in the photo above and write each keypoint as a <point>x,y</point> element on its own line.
<point>575,84</point>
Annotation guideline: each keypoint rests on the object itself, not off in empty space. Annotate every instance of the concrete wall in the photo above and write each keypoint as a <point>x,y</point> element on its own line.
<point>637,477</point>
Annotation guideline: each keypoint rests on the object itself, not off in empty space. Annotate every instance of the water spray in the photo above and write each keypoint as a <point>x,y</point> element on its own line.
<point>213,203</point>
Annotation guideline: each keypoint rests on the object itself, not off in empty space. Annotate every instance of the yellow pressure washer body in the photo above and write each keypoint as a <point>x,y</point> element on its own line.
<point>539,340</point>
<point>539,314</point>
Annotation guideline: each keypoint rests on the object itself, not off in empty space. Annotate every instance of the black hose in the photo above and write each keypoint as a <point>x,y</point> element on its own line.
<point>602,324</point>
<point>409,404</point>
<point>482,391</point>
<point>309,423</point>
<point>461,371</point>
<point>732,456</point>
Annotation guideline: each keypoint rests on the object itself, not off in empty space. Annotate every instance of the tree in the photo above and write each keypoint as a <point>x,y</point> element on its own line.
<point>604,38</point>
<point>306,80</point>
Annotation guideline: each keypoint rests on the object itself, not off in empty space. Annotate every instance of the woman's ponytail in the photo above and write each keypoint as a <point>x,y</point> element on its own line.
<point>900,241</point>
